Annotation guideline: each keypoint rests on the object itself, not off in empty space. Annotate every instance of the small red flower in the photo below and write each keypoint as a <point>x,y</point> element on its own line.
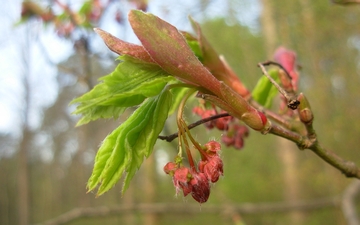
<point>200,187</point>
<point>228,140</point>
<point>170,168</point>
<point>212,147</point>
<point>235,136</point>
<point>181,179</point>
<point>206,114</point>
<point>213,169</point>
<point>196,181</point>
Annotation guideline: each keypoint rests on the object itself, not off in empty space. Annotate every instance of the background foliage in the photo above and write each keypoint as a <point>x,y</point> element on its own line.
<point>326,38</point>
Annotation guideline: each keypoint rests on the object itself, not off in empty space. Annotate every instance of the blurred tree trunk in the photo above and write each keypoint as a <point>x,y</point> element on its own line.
<point>268,27</point>
<point>23,178</point>
<point>24,146</point>
<point>84,133</point>
<point>78,166</point>
<point>149,188</point>
<point>128,199</point>
<point>286,149</point>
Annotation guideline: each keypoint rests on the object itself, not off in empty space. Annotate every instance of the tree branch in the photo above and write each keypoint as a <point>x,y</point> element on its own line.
<point>292,102</point>
<point>170,138</point>
<point>346,2</point>
<point>280,119</point>
<point>166,208</point>
<point>348,168</point>
<point>309,141</point>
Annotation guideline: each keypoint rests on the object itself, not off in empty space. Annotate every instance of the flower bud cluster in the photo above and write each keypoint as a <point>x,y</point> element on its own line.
<point>196,181</point>
<point>220,124</point>
<point>235,136</point>
<point>235,133</point>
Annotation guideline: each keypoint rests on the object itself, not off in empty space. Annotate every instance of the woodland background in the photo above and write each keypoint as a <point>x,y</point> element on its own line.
<point>45,161</point>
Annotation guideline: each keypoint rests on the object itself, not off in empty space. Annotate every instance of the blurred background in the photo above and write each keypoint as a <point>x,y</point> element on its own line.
<point>49,55</point>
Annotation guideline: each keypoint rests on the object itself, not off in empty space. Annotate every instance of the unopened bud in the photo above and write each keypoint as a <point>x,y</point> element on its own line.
<point>256,120</point>
<point>304,109</point>
<point>285,81</point>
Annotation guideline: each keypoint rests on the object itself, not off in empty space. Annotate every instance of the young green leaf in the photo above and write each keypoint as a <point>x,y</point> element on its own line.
<point>102,157</point>
<point>178,94</point>
<point>128,85</point>
<point>116,155</point>
<point>126,147</point>
<point>146,138</point>
<point>193,44</point>
<point>264,92</point>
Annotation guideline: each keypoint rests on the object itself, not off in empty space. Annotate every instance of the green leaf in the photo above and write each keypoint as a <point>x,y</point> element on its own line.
<point>146,138</point>
<point>264,92</point>
<point>178,94</point>
<point>195,47</point>
<point>126,147</point>
<point>128,85</point>
<point>102,157</point>
<point>101,112</point>
<point>86,8</point>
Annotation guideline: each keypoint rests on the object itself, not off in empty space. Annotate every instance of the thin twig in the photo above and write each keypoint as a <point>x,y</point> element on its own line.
<point>291,99</point>
<point>171,137</point>
<point>272,115</point>
<point>311,134</point>
<point>301,141</point>
<point>268,63</point>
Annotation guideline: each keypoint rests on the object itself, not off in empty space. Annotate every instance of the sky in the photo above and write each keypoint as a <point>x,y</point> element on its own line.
<point>22,55</point>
